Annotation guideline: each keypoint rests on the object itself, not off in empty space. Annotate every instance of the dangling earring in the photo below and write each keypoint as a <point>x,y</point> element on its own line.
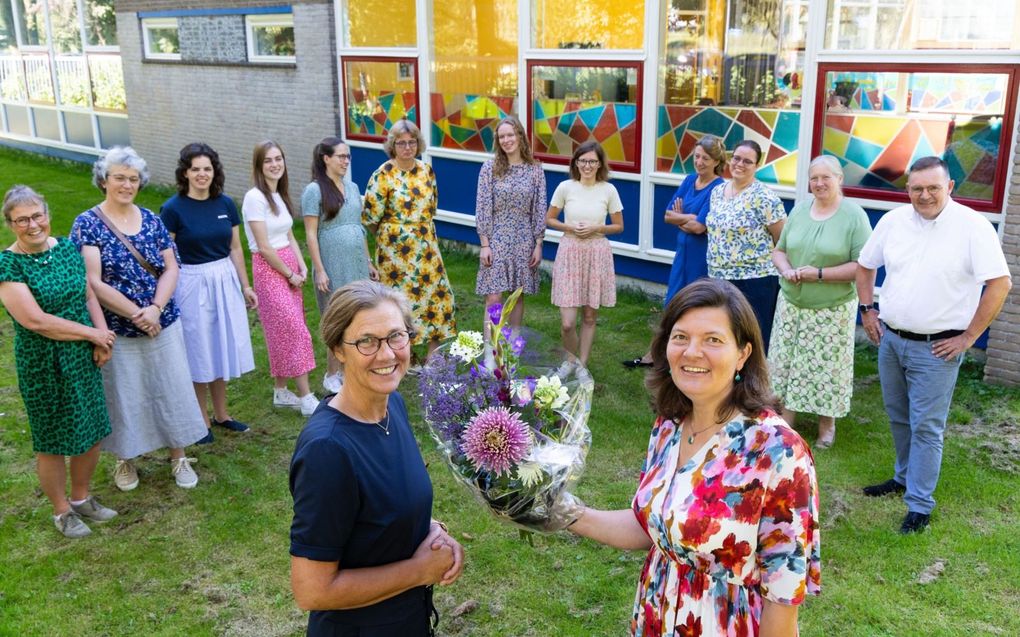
<point>736,378</point>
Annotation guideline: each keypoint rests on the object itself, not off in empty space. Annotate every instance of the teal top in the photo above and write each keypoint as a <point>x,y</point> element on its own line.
<point>822,244</point>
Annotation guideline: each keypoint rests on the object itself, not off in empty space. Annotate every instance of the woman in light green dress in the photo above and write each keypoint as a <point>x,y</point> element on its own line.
<point>331,207</point>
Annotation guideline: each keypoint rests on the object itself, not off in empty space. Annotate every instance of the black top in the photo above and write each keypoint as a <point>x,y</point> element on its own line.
<point>202,228</point>
<point>361,498</point>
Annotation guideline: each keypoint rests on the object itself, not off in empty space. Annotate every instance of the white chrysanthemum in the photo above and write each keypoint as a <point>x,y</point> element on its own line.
<point>468,345</point>
<point>550,392</point>
<point>530,474</point>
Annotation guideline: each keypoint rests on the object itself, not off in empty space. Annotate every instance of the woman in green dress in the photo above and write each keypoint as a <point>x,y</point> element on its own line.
<point>60,341</point>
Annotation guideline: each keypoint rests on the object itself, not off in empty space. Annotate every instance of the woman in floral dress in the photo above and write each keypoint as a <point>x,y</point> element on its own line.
<point>744,221</point>
<point>510,216</point>
<point>400,203</point>
<point>727,500</point>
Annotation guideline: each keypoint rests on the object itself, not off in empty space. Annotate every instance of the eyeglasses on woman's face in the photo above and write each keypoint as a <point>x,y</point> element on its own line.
<point>406,143</point>
<point>745,161</point>
<point>23,222</point>
<point>588,162</point>
<point>369,345</point>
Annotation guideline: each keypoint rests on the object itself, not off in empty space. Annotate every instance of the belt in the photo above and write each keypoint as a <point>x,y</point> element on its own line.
<point>913,336</point>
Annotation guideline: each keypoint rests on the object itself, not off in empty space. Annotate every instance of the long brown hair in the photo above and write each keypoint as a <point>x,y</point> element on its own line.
<point>282,187</point>
<point>752,393</point>
<point>501,163</point>
<point>189,153</point>
<point>332,198</point>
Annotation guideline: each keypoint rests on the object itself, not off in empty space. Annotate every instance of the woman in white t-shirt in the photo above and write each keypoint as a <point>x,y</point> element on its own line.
<point>583,275</point>
<point>278,272</point>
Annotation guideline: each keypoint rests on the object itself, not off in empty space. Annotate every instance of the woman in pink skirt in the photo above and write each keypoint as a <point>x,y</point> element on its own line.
<point>583,275</point>
<point>278,272</point>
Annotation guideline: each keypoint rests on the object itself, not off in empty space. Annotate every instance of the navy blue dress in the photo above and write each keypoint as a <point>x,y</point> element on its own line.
<point>362,498</point>
<point>690,262</point>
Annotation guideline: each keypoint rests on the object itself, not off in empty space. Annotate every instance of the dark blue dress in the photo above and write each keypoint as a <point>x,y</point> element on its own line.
<point>689,262</point>
<point>362,498</point>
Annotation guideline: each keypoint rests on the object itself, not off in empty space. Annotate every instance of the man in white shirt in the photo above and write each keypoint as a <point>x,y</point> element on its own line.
<point>937,255</point>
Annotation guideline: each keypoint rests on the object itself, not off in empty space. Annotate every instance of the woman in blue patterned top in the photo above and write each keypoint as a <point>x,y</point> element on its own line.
<point>149,396</point>
<point>744,223</point>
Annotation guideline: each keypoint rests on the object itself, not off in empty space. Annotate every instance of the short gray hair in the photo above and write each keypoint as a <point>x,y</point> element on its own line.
<point>401,127</point>
<point>119,156</point>
<point>353,298</point>
<point>829,162</point>
<point>22,195</point>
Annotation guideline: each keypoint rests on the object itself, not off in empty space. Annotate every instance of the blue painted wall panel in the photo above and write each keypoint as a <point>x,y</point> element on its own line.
<point>458,185</point>
<point>364,161</point>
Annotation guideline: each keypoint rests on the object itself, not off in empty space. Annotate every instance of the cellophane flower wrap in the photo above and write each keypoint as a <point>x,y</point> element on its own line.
<point>511,421</point>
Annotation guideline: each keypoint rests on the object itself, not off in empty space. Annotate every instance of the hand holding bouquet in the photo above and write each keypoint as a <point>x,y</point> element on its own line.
<point>511,426</point>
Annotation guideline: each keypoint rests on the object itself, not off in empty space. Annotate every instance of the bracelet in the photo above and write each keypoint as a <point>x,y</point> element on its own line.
<point>157,306</point>
<point>819,274</point>
<point>442,526</point>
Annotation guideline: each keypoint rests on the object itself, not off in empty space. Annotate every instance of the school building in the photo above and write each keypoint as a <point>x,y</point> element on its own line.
<point>875,83</point>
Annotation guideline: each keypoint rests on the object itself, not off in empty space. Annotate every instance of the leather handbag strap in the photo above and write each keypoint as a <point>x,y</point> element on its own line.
<point>127,244</point>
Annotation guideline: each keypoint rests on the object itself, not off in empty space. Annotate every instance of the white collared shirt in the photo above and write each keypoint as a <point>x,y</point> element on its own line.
<point>934,269</point>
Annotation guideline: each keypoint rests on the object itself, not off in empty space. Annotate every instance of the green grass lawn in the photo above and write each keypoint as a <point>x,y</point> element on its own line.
<point>214,560</point>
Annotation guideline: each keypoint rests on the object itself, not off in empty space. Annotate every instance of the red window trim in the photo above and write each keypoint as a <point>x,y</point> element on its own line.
<point>1002,167</point>
<point>344,59</point>
<point>635,166</point>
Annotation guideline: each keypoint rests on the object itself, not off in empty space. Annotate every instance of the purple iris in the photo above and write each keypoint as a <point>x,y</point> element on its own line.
<point>495,311</point>
<point>517,345</point>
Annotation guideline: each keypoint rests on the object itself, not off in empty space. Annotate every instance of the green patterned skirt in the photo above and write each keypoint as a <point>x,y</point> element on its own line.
<point>811,357</point>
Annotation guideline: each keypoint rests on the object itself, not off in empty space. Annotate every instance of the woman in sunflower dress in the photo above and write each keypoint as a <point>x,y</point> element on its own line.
<point>400,203</point>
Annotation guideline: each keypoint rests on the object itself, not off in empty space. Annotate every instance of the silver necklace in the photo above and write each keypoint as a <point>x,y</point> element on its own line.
<point>42,257</point>
<point>386,427</point>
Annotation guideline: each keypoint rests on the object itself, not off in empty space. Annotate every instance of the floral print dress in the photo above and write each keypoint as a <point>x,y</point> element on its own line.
<point>737,524</point>
<point>402,204</point>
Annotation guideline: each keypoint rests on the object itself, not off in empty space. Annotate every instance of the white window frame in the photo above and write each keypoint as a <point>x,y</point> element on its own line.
<point>159,23</point>
<point>253,21</point>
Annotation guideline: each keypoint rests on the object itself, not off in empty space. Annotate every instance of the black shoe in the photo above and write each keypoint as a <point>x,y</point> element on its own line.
<point>885,488</point>
<point>637,362</point>
<point>914,523</point>
<point>208,439</point>
<point>231,424</point>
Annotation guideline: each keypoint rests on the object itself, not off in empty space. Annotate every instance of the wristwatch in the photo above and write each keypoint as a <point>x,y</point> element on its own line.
<point>865,308</point>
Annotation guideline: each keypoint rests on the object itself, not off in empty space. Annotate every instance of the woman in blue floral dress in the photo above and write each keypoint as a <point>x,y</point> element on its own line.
<point>727,500</point>
<point>510,218</point>
<point>149,395</point>
<point>744,223</point>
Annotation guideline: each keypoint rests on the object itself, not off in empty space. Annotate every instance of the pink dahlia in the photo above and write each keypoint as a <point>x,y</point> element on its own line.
<point>496,439</point>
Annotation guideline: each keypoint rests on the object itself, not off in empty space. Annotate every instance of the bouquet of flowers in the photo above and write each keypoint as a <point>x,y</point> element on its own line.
<point>512,427</point>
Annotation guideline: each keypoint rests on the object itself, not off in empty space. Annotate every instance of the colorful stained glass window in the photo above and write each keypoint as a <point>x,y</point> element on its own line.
<point>878,123</point>
<point>587,24</point>
<point>377,93</point>
<point>734,71</point>
<point>932,24</point>
<point>572,104</point>
<point>474,71</point>
<point>383,24</point>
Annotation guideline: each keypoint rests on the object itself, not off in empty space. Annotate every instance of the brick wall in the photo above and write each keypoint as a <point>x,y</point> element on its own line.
<point>1003,364</point>
<point>232,107</point>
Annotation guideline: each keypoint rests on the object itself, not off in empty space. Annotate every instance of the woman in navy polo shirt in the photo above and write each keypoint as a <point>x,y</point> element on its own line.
<point>212,289</point>
<point>365,551</point>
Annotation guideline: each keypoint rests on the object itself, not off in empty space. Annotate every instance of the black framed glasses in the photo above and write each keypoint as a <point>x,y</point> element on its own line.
<point>369,345</point>
<point>588,162</point>
<point>24,222</point>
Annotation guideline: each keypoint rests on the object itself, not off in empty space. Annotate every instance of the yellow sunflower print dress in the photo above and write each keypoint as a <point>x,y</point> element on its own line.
<point>401,204</point>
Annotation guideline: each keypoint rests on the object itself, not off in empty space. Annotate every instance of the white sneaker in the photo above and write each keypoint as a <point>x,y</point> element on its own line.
<point>125,476</point>
<point>308,404</point>
<point>332,382</point>
<point>182,472</point>
<point>283,397</point>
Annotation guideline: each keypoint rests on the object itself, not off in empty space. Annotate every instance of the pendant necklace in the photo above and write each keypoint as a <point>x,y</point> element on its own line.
<point>386,427</point>
<point>39,258</point>
<point>690,438</point>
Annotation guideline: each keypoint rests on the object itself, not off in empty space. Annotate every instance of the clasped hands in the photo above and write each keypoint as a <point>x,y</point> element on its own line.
<point>800,275</point>
<point>441,557</point>
<point>147,320</point>
<point>583,229</point>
